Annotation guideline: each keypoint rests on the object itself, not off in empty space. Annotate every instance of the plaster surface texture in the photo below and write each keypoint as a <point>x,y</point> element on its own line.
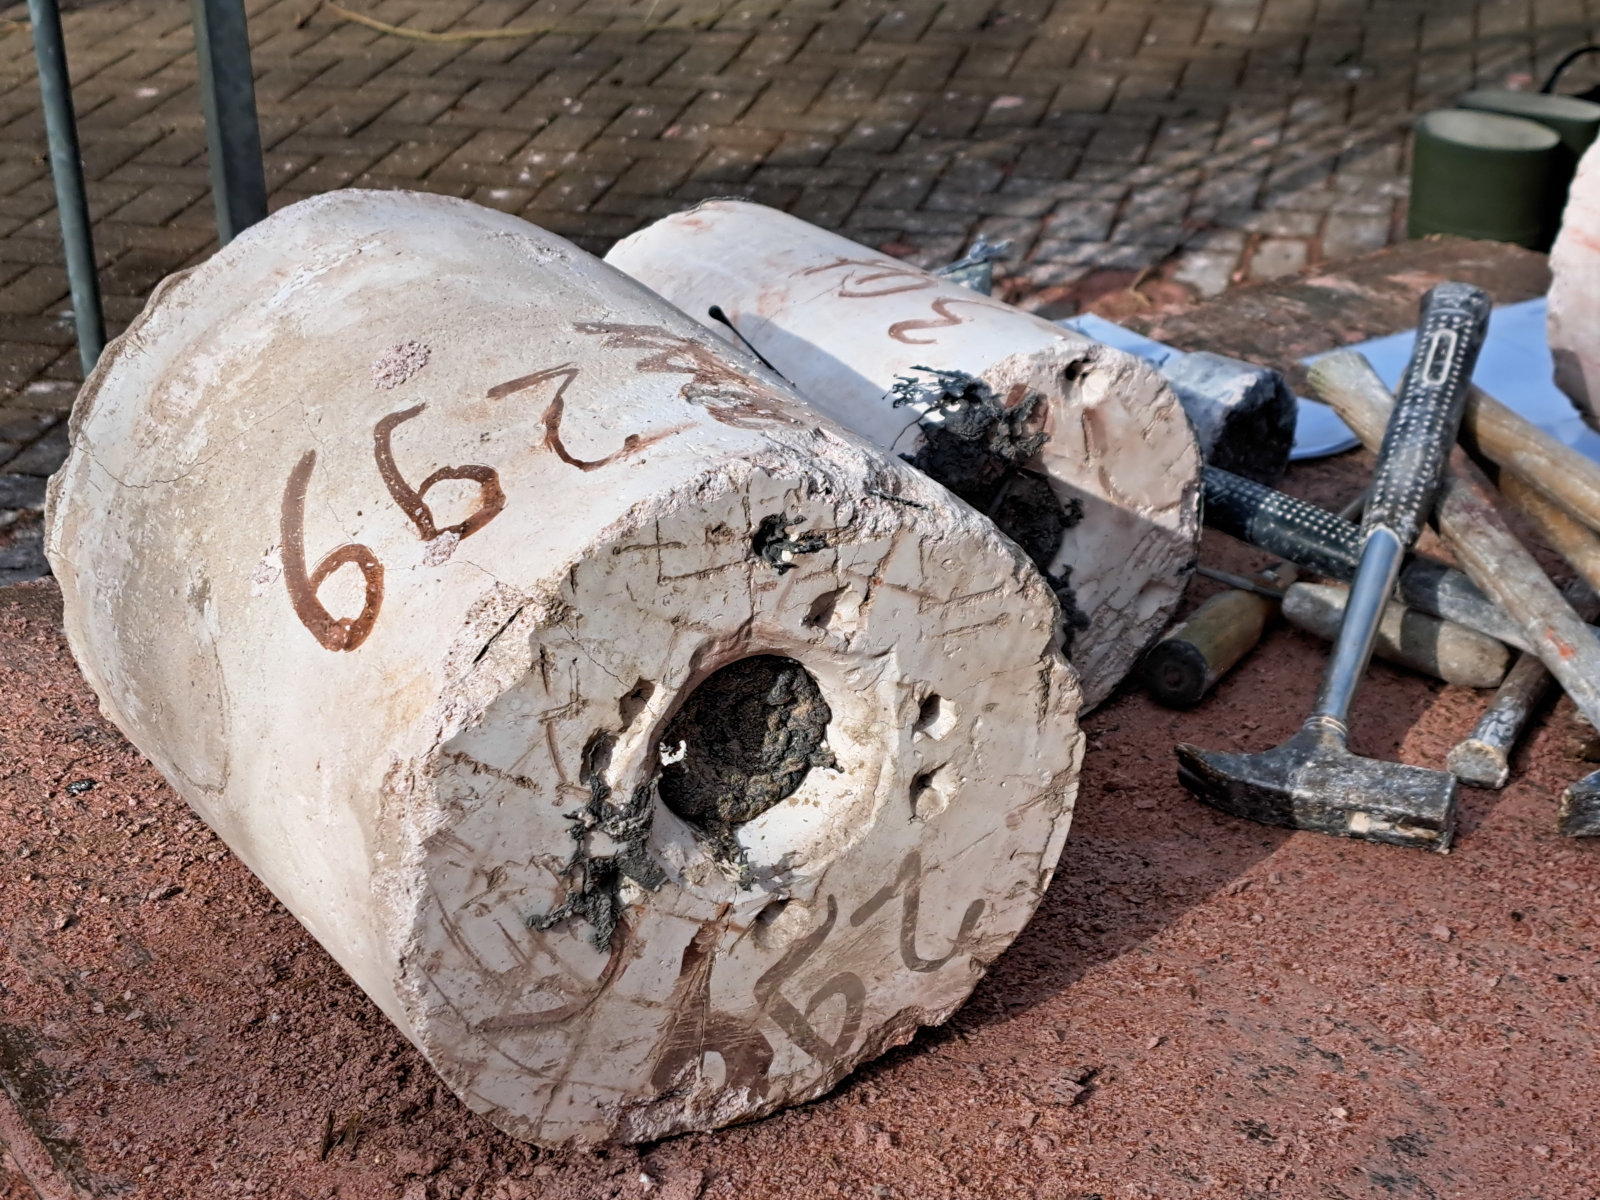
<point>1574,310</point>
<point>845,323</point>
<point>397,533</point>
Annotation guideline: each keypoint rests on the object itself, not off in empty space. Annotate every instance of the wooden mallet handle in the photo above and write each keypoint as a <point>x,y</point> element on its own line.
<point>1183,666</point>
<point>1407,638</point>
<point>1534,457</point>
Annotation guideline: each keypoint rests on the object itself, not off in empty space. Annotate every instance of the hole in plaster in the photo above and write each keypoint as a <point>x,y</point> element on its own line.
<point>930,793</point>
<point>743,741</point>
<point>822,610</point>
<point>762,929</point>
<point>936,717</point>
<point>631,705</point>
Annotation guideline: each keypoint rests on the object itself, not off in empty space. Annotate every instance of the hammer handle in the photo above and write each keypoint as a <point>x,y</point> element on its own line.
<point>1284,526</point>
<point>1521,448</point>
<point>1406,638</point>
<point>1568,537</point>
<point>1579,814</point>
<point>1330,546</point>
<point>1483,757</point>
<point>1427,411</point>
<point>1417,438</point>
<point>1183,666</point>
<point>1480,539</point>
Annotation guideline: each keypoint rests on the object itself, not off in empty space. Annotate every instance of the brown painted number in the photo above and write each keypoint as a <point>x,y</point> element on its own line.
<point>883,277</point>
<point>346,633</point>
<point>901,331</point>
<point>908,886</point>
<point>335,633</point>
<point>491,497</point>
<point>566,373</point>
<point>869,283</point>
<point>796,1024</point>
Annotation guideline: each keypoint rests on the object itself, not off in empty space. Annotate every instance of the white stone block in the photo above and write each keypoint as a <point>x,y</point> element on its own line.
<point>1573,321</point>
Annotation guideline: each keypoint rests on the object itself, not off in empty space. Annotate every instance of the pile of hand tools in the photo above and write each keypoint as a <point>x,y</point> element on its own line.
<point>1460,625</point>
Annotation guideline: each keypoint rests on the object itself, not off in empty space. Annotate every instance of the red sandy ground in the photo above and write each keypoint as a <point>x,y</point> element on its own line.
<point>1201,1007</point>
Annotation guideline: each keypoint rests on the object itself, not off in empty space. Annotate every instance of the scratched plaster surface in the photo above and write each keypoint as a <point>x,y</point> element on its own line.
<point>457,517</point>
<point>851,327</point>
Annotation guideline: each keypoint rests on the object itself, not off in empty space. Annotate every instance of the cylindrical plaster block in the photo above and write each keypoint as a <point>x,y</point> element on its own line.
<point>651,750</point>
<point>1573,320</point>
<point>846,324</point>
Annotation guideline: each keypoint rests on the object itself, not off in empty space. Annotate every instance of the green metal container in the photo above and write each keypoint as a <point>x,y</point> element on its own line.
<point>1483,175</point>
<point>1575,121</point>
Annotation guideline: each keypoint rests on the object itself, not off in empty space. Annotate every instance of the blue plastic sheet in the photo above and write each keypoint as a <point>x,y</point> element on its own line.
<point>1515,368</point>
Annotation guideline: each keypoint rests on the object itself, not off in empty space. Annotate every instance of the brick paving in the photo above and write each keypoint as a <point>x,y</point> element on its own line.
<point>1177,145</point>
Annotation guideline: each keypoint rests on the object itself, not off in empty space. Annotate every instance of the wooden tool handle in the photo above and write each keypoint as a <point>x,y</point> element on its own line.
<point>1537,459</point>
<point>1406,638</point>
<point>1487,549</point>
<point>1575,542</point>
<point>1483,758</point>
<point>1579,814</point>
<point>1183,666</point>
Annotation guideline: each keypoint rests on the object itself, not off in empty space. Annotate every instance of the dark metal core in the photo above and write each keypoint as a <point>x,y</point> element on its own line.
<point>976,445</point>
<point>1313,782</point>
<point>748,736</point>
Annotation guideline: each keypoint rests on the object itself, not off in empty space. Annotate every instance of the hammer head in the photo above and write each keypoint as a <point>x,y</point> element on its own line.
<point>1313,782</point>
<point>1579,815</point>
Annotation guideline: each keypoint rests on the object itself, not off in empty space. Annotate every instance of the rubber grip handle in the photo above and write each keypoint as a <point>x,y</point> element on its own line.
<point>1453,320</point>
<point>1328,545</point>
<point>1291,529</point>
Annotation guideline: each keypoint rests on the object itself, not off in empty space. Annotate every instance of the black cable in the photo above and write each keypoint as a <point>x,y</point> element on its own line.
<point>1567,61</point>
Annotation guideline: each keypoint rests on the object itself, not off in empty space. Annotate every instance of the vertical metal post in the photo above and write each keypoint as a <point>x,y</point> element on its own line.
<point>66,169</point>
<point>228,95</point>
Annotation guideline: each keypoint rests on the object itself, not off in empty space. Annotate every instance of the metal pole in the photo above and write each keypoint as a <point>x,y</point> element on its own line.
<point>66,168</point>
<point>228,95</point>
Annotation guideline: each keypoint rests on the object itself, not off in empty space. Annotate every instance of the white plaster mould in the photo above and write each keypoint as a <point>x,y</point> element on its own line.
<point>403,742</point>
<point>844,323</point>
<point>1573,321</point>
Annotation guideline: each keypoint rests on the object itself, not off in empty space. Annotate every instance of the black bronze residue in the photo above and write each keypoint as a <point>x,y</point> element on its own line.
<point>742,742</point>
<point>976,446</point>
<point>594,881</point>
<point>773,545</point>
